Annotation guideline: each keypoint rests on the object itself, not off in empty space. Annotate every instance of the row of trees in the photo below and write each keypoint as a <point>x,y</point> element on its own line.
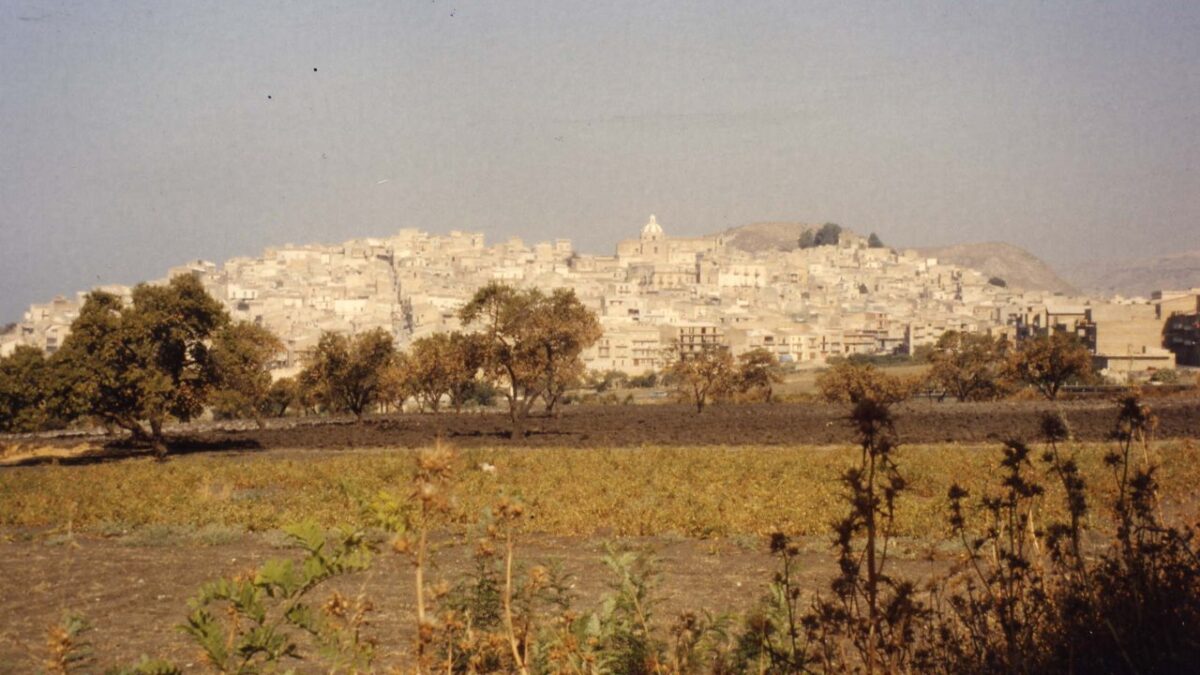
<point>133,366</point>
<point>969,367</point>
<point>979,367</point>
<point>713,374</point>
<point>830,234</point>
<point>526,341</point>
<point>173,351</point>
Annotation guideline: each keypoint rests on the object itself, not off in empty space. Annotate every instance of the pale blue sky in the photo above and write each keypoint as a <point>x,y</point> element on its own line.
<point>138,135</point>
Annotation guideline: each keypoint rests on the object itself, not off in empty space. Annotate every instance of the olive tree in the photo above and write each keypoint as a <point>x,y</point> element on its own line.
<point>532,342</point>
<point>758,371</point>
<point>345,374</point>
<point>137,365</point>
<point>1048,362</point>
<point>243,353</point>
<point>971,366</point>
<point>25,383</point>
<point>849,382</point>
<point>444,365</point>
<point>702,376</point>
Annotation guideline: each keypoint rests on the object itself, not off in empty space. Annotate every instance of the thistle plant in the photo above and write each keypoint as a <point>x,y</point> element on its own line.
<point>1004,602</point>
<point>1132,608</point>
<point>261,621</point>
<point>772,640</point>
<point>869,611</point>
<point>618,637</point>
<point>410,520</point>
<point>67,648</point>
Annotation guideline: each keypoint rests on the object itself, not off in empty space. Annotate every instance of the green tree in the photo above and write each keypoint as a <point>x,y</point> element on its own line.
<point>602,381</point>
<point>145,362</point>
<point>243,353</point>
<point>829,235</point>
<point>281,396</point>
<point>532,342</point>
<point>1048,362</point>
<point>807,239</point>
<point>345,373</point>
<point>874,241</point>
<point>758,370</point>
<point>468,354</point>
<point>25,384</point>
<point>971,366</point>
<point>702,376</point>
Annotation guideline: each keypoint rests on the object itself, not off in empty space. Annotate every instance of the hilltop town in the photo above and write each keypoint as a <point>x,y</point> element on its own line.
<point>806,305</point>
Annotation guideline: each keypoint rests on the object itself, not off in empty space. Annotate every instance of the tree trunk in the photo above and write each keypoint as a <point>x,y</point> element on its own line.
<point>551,403</point>
<point>519,413</point>
<point>518,426</point>
<point>136,431</point>
<point>156,439</point>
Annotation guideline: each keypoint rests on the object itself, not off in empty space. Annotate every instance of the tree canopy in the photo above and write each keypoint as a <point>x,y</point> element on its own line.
<point>970,366</point>
<point>1048,362</point>
<point>829,235</point>
<point>243,353</point>
<point>532,342</point>
<point>345,373</point>
<point>758,371</point>
<point>25,385</point>
<point>146,361</point>
<point>445,365</point>
<point>701,377</point>
<point>850,382</point>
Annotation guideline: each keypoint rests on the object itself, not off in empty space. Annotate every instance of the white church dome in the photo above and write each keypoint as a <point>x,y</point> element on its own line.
<point>652,230</point>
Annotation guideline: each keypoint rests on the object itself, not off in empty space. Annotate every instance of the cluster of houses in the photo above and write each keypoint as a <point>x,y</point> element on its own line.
<point>805,305</point>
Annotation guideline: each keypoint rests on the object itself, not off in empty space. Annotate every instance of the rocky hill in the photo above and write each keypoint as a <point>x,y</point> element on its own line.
<point>758,237</point>
<point>1138,277</point>
<point>1013,264</point>
<point>1018,267</point>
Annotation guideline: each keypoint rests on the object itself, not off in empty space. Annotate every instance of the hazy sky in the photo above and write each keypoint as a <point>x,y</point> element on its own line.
<point>138,135</point>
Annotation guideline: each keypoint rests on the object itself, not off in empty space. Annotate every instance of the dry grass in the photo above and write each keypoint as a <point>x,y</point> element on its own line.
<point>702,492</point>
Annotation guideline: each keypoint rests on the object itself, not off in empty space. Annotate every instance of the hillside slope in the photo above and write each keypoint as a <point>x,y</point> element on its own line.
<point>1141,276</point>
<point>758,237</point>
<point>1015,265</point>
<point>1018,267</point>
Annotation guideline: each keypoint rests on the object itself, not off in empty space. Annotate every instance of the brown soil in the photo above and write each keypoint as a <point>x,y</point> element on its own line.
<point>631,426</point>
<point>623,426</point>
<point>135,596</point>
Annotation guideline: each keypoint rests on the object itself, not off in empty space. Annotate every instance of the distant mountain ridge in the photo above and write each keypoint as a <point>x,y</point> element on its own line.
<point>1016,266</point>
<point>1138,276</point>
